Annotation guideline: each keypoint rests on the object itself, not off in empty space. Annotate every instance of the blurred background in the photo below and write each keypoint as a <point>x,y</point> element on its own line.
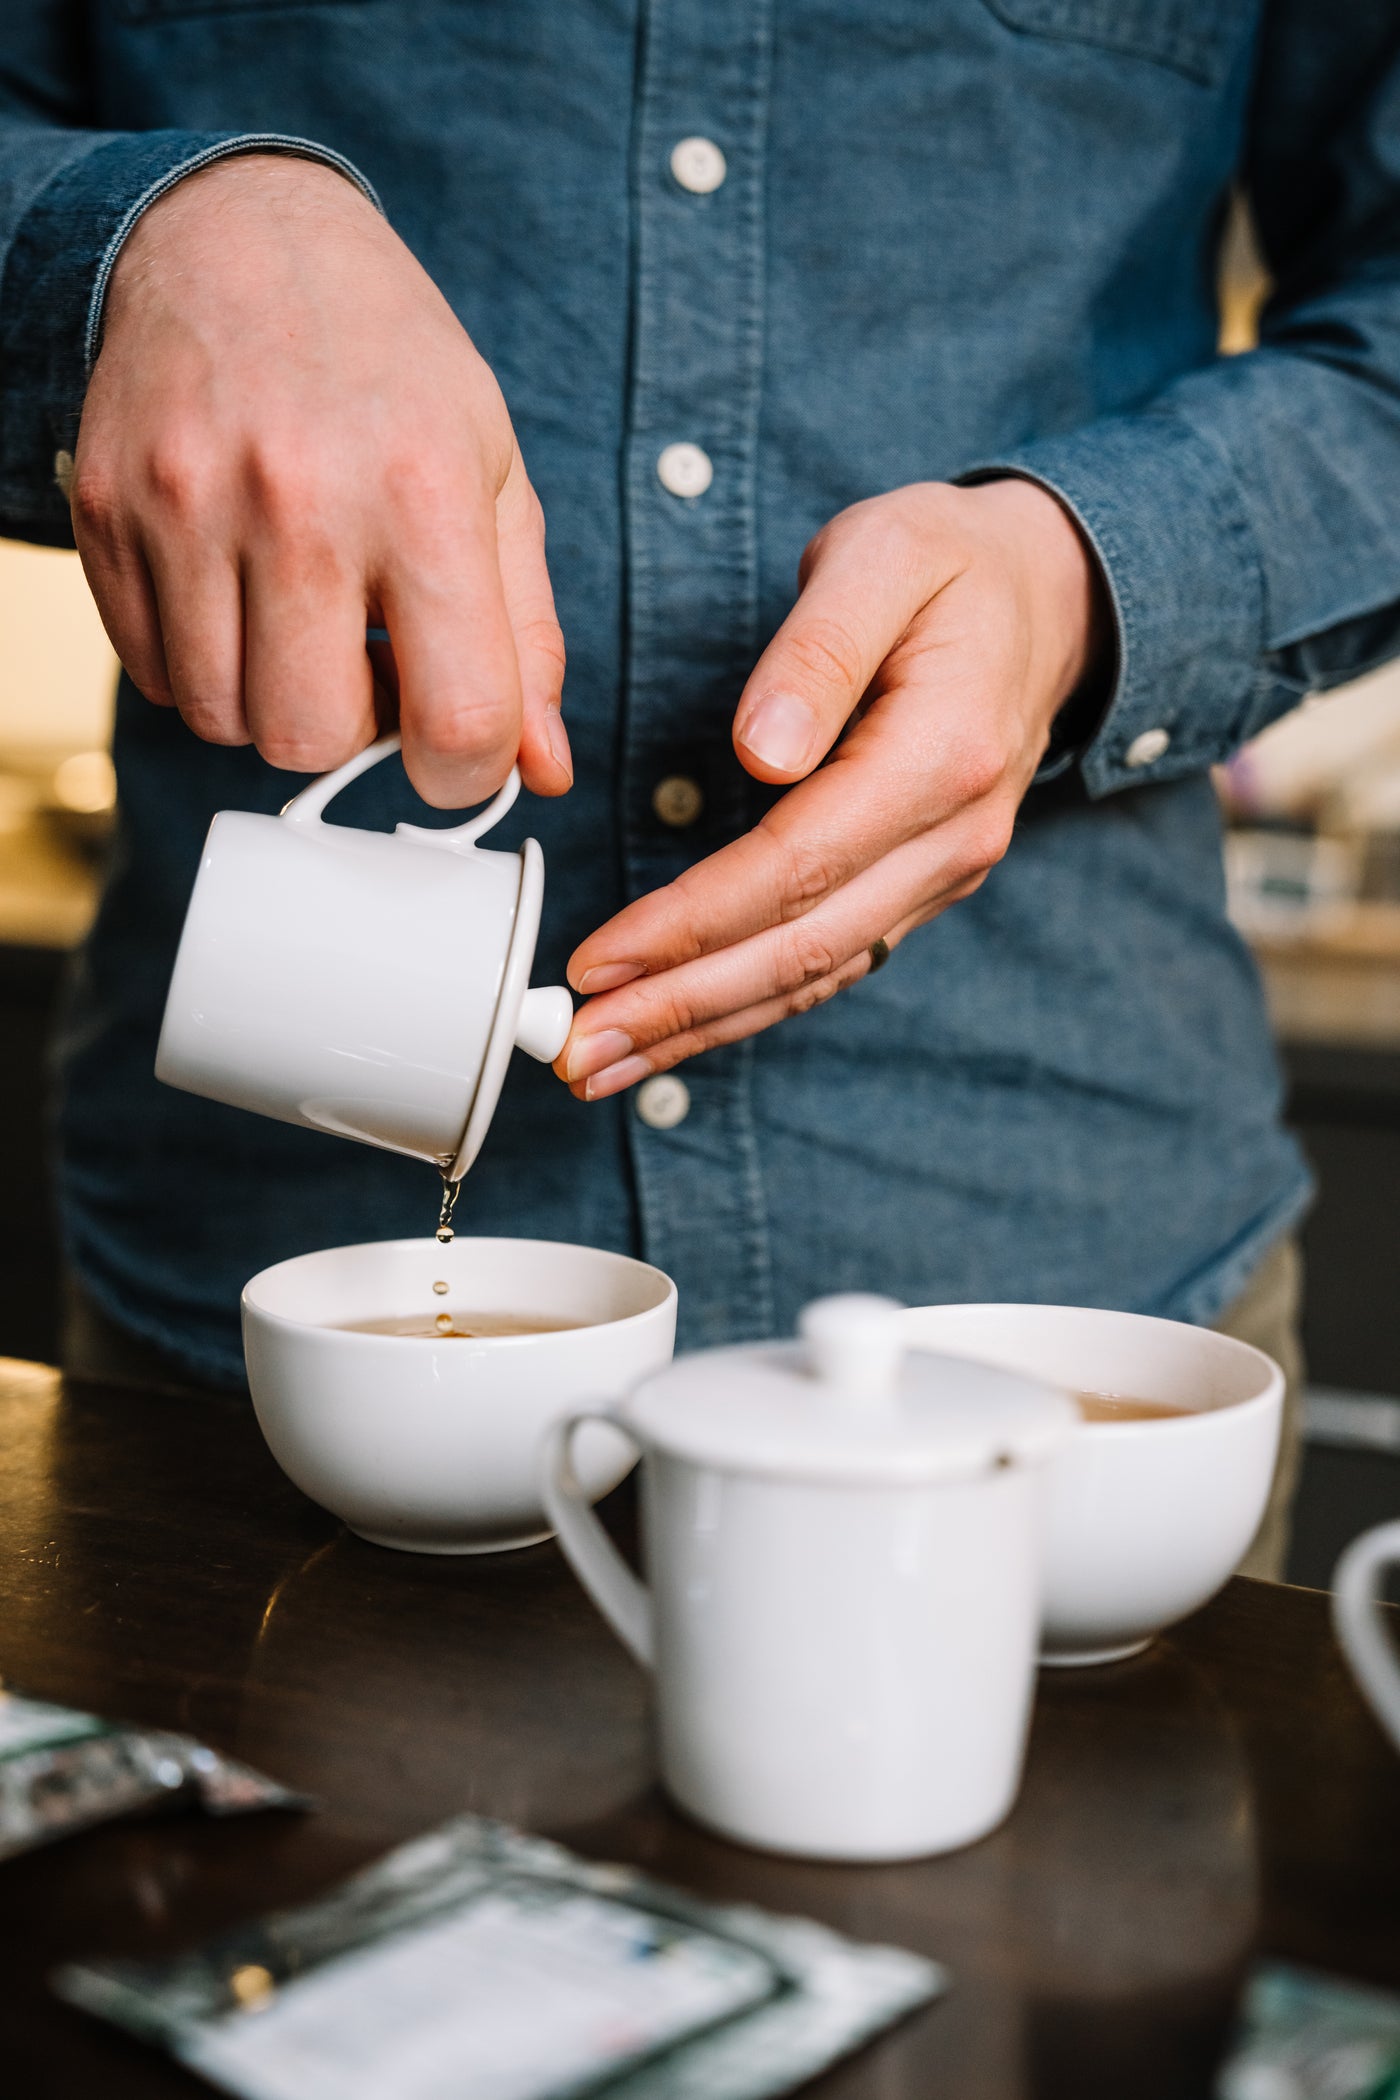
<point>1313,867</point>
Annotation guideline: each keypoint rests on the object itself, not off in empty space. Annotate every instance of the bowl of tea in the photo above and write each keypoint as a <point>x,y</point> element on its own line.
<point>1156,1498</point>
<point>406,1384</point>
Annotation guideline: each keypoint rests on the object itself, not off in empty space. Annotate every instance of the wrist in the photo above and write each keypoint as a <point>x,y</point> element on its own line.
<point>227,199</point>
<point>1062,583</point>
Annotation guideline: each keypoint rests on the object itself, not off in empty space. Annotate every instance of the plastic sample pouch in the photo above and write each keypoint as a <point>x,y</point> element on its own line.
<point>61,1770</point>
<point>477,1960</point>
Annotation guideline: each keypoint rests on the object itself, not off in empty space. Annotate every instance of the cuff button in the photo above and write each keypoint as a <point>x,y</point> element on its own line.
<point>1146,749</point>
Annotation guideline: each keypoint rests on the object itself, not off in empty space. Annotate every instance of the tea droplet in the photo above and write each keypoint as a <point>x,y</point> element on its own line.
<point>441,1289</point>
<point>444,1323</point>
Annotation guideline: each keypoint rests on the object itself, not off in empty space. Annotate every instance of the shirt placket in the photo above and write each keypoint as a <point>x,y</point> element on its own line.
<point>692,433</point>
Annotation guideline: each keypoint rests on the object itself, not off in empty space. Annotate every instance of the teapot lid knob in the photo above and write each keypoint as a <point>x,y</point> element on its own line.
<point>855,1344</point>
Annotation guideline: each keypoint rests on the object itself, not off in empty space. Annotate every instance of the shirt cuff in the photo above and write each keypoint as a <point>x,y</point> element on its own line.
<point>1161,509</point>
<point>56,275</point>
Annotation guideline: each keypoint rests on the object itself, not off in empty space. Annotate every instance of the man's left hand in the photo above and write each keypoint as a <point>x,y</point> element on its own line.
<point>942,629</point>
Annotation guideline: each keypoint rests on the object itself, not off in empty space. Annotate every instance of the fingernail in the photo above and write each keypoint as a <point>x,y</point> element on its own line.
<point>607,977</point>
<point>558,737</point>
<point>616,1077</point>
<point>781,732</point>
<point>591,1053</point>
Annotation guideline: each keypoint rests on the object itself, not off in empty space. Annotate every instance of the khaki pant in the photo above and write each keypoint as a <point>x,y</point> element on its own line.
<point>1266,1313</point>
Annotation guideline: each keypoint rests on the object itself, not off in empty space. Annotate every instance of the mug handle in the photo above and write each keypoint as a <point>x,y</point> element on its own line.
<point>306,808</point>
<point>624,1601</point>
<point>1359,1627</point>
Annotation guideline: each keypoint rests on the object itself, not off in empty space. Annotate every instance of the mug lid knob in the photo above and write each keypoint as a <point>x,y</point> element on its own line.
<point>855,1344</point>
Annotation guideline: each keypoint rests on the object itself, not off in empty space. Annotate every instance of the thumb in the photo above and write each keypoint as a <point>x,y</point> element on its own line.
<point>859,594</point>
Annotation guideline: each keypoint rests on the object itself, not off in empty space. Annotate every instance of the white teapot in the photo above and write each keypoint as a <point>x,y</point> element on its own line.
<point>843,1549</point>
<point>367,983</point>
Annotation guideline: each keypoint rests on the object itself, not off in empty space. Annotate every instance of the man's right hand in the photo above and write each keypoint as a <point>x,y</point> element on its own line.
<point>288,436</point>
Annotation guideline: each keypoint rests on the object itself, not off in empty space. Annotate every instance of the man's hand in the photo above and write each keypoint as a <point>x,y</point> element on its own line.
<point>288,436</point>
<point>955,623</point>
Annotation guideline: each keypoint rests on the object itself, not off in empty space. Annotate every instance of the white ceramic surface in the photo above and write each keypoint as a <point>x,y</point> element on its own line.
<point>433,1446</point>
<point>1147,1519</point>
<point>366,983</point>
<point>843,1659</point>
<point>1356,1615</point>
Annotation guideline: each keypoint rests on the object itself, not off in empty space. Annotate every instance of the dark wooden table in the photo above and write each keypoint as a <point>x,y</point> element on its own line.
<point>1222,1796</point>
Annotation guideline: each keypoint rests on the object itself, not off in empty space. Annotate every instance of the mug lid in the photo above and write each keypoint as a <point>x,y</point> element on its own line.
<point>848,1402</point>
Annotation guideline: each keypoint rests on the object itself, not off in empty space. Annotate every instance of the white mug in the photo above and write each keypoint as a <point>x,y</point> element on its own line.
<point>1146,1518</point>
<point>361,982</point>
<point>843,1587</point>
<point>1356,1615</point>
<point>433,1445</point>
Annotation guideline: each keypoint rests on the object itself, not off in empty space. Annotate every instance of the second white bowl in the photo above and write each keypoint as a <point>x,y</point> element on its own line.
<point>1147,1519</point>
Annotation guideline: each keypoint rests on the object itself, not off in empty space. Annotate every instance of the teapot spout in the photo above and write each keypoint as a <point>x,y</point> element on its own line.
<point>546,1016</point>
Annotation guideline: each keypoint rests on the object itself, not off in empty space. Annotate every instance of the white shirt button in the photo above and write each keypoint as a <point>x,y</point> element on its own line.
<point>698,165</point>
<point>663,1102</point>
<point>677,801</point>
<point>1145,750</point>
<point>684,470</point>
<point>63,471</point>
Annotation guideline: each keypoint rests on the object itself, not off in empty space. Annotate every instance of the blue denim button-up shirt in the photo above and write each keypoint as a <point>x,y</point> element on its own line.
<point>953,236</point>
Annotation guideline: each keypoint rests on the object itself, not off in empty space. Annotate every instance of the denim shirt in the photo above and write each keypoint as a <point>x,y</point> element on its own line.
<point>952,237</point>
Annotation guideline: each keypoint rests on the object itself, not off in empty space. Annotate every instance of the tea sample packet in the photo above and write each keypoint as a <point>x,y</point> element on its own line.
<point>61,1770</point>
<point>479,1960</point>
<point>1310,2037</point>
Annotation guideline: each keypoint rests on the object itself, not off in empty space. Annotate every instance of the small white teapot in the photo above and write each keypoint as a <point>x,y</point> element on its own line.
<point>361,982</point>
<point>844,1560</point>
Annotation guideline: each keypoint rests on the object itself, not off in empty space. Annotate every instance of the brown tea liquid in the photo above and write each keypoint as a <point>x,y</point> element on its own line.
<point>451,1190</point>
<point>1122,1407</point>
<point>461,1326</point>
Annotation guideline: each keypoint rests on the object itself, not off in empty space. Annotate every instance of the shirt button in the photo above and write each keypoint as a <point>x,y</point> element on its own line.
<point>684,470</point>
<point>698,165</point>
<point>663,1102</point>
<point>1145,750</point>
<point>677,801</point>
<point>63,470</point>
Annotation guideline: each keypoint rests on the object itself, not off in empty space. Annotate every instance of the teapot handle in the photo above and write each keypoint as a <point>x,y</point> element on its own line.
<point>1356,1615</point>
<point>624,1601</point>
<point>306,808</point>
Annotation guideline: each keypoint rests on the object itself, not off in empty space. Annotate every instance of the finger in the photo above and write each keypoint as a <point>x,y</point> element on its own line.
<point>546,763</point>
<point>628,1071</point>
<point>459,680</point>
<point>730,1028</point>
<point>864,581</point>
<point>120,581</point>
<point>200,601</point>
<point>900,772</point>
<point>308,686</point>
<point>783,962</point>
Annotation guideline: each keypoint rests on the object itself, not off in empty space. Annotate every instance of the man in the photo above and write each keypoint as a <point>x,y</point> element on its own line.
<point>924,287</point>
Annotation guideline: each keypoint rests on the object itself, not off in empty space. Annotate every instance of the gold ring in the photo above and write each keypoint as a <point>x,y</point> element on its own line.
<point>879,956</point>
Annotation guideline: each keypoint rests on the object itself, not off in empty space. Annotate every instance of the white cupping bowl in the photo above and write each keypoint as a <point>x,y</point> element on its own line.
<point>1146,1519</point>
<point>433,1446</point>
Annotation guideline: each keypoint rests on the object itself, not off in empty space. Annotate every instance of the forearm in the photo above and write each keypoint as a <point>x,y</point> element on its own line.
<point>1248,519</point>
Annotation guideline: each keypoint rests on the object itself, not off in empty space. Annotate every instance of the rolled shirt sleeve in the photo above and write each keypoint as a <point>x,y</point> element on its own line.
<point>1247,520</point>
<point>73,199</point>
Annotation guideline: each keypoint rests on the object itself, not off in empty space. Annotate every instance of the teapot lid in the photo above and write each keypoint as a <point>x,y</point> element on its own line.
<point>848,1401</point>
